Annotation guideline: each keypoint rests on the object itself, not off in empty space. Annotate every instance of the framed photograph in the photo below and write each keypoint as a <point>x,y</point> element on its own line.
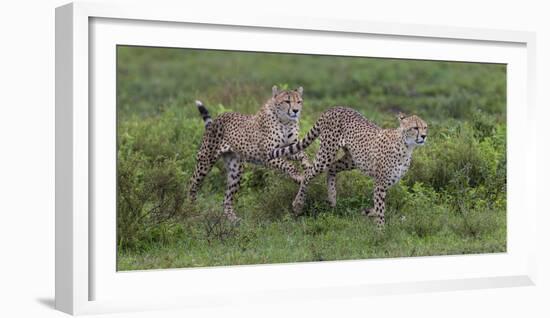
<point>207,160</point>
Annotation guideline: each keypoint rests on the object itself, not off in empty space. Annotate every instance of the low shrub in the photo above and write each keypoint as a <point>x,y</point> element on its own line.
<point>452,148</point>
<point>422,213</point>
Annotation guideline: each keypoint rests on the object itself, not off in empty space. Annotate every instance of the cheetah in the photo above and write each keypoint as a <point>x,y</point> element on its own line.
<point>240,138</point>
<point>383,154</point>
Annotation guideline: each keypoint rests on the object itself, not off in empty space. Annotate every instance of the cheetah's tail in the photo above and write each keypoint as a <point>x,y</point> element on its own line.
<point>296,147</point>
<point>204,113</point>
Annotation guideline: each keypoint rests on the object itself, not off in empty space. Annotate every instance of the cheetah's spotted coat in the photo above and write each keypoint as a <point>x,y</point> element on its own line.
<point>239,138</point>
<point>383,154</point>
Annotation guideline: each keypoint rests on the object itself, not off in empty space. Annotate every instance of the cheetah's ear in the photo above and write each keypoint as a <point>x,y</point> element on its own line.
<point>300,90</point>
<point>275,90</point>
<point>401,116</point>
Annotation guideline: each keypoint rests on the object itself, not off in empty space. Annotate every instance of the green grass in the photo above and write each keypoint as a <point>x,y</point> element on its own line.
<point>452,200</point>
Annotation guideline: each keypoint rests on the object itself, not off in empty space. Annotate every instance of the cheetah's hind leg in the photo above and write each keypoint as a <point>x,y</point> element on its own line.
<point>343,164</point>
<point>205,162</point>
<point>234,170</point>
<point>324,159</point>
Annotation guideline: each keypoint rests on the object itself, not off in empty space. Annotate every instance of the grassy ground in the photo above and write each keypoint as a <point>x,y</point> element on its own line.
<point>452,201</point>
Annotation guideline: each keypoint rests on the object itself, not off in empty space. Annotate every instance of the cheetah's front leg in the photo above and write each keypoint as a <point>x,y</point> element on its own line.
<point>379,206</point>
<point>286,167</point>
<point>302,157</point>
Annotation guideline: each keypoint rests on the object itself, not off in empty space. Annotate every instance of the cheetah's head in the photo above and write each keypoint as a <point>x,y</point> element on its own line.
<point>288,103</point>
<point>415,130</point>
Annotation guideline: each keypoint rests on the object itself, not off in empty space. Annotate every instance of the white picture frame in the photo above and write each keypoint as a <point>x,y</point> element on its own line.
<point>86,280</point>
